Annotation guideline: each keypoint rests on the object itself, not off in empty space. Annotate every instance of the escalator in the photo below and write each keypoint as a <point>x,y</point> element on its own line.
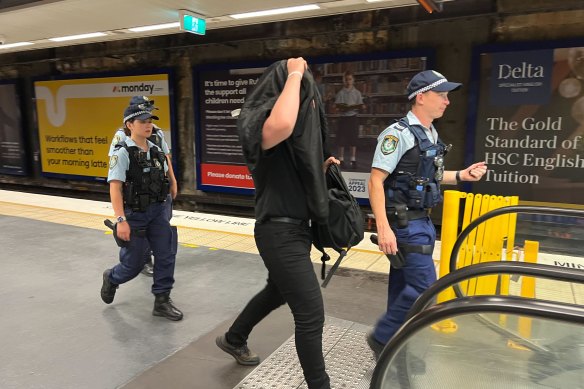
<point>475,356</point>
<point>485,351</point>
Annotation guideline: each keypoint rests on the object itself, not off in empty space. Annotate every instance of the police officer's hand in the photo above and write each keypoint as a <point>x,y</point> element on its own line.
<point>329,161</point>
<point>123,230</point>
<point>173,190</point>
<point>474,172</point>
<point>387,241</point>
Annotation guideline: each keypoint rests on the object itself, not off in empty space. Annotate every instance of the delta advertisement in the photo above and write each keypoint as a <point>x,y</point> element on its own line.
<point>529,125</point>
<point>361,98</point>
<point>77,119</point>
<point>12,154</point>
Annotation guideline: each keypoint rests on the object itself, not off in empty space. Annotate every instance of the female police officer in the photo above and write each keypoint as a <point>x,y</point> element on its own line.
<point>138,189</point>
<point>158,139</point>
<point>407,170</point>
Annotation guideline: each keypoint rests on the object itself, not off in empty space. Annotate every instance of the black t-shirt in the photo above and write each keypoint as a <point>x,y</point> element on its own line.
<point>279,191</point>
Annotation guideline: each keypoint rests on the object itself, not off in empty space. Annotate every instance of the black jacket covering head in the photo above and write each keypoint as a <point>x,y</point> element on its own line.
<point>307,143</point>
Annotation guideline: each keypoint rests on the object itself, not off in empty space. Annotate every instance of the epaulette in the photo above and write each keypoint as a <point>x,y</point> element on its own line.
<point>121,144</point>
<point>399,126</point>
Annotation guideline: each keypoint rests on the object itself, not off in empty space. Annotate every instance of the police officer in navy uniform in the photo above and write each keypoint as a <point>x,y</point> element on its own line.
<point>159,140</point>
<point>138,189</point>
<point>406,173</point>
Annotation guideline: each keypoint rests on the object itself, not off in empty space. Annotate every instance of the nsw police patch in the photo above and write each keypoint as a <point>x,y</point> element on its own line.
<point>117,139</point>
<point>113,161</point>
<point>389,144</point>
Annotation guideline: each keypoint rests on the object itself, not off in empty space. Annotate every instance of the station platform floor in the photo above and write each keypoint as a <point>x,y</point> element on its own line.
<point>57,333</point>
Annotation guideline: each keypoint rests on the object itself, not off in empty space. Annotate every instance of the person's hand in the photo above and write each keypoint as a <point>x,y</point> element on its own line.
<point>296,65</point>
<point>474,172</point>
<point>387,241</point>
<point>123,230</point>
<point>329,161</point>
<point>173,190</point>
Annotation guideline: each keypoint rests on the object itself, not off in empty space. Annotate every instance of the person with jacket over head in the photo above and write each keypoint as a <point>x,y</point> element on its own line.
<point>282,128</point>
<point>139,187</point>
<point>404,185</point>
<point>159,140</point>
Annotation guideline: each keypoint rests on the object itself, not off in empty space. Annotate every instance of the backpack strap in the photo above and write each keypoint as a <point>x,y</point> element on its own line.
<point>333,269</point>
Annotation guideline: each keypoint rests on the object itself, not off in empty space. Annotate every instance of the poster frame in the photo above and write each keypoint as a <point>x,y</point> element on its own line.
<point>428,53</point>
<point>78,76</point>
<point>23,133</point>
<point>474,91</point>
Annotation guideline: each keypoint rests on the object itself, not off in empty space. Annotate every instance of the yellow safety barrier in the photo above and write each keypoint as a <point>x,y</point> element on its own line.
<point>531,250</point>
<point>493,240</point>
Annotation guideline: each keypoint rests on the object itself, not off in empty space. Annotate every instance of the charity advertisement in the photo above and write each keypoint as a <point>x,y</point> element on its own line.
<point>529,125</point>
<point>77,119</point>
<point>12,148</point>
<point>221,163</point>
<point>361,98</point>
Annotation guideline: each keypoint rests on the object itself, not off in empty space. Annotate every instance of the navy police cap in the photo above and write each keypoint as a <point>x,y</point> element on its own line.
<point>135,112</point>
<point>430,80</point>
<point>142,100</point>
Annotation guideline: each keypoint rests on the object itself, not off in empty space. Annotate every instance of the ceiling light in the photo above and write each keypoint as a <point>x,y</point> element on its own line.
<point>430,5</point>
<point>17,44</point>
<point>155,27</point>
<point>74,37</point>
<point>277,11</point>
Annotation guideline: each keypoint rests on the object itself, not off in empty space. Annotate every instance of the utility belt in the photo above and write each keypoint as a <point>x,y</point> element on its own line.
<point>289,220</point>
<point>139,202</point>
<point>398,260</point>
<point>401,215</point>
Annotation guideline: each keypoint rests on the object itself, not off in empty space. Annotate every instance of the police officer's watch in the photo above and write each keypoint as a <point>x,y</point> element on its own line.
<point>120,219</point>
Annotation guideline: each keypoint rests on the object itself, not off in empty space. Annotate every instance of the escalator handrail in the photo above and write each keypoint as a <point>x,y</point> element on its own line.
<point>502,211</point>
<point>468,305</point>
<point>480,269</point>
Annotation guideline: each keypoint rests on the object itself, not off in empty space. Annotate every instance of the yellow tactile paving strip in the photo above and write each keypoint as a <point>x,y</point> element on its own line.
<point>214,240</point>
<point>190,237</point>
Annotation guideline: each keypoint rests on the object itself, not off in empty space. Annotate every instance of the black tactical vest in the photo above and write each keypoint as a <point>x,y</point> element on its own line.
<point>143,188</point>
<point>415,181</point>
<point>156,138</point>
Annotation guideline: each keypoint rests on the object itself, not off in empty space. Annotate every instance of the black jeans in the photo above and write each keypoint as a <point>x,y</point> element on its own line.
<point>285,250</point>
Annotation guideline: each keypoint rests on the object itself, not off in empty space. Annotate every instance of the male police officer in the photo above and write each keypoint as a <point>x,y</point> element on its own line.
<point>158,139</point>
<point>407,170</point>
<point>139,188</point>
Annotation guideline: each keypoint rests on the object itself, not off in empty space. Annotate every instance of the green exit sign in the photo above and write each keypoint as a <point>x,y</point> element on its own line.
<point>193,23</point>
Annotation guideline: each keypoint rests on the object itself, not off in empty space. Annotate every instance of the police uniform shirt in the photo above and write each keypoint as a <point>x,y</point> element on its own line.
<point>350,97</point>
<point>121,136</point>
<point>395,141</point>
<point>120,161</point>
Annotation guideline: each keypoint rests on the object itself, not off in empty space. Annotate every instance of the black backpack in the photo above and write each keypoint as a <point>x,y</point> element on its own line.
<point>345,222</point>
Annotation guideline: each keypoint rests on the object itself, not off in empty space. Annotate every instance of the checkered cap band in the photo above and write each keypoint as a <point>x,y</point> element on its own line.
<point>427,88</point>
<point>133,115</point>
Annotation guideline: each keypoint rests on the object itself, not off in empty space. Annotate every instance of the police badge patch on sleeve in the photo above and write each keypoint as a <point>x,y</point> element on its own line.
<point>389,144</point>
<point>113,161</point>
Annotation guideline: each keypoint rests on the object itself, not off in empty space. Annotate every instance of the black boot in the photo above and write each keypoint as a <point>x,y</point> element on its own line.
<point>164,307</point>
<point>148,269</point>
<point>108,288</point>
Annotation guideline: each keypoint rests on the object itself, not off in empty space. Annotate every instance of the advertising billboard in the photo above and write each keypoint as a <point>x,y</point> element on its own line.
<point>529,122</point>
<point>361,97</point>
<point>77,118</point>
<point>12,147</point>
